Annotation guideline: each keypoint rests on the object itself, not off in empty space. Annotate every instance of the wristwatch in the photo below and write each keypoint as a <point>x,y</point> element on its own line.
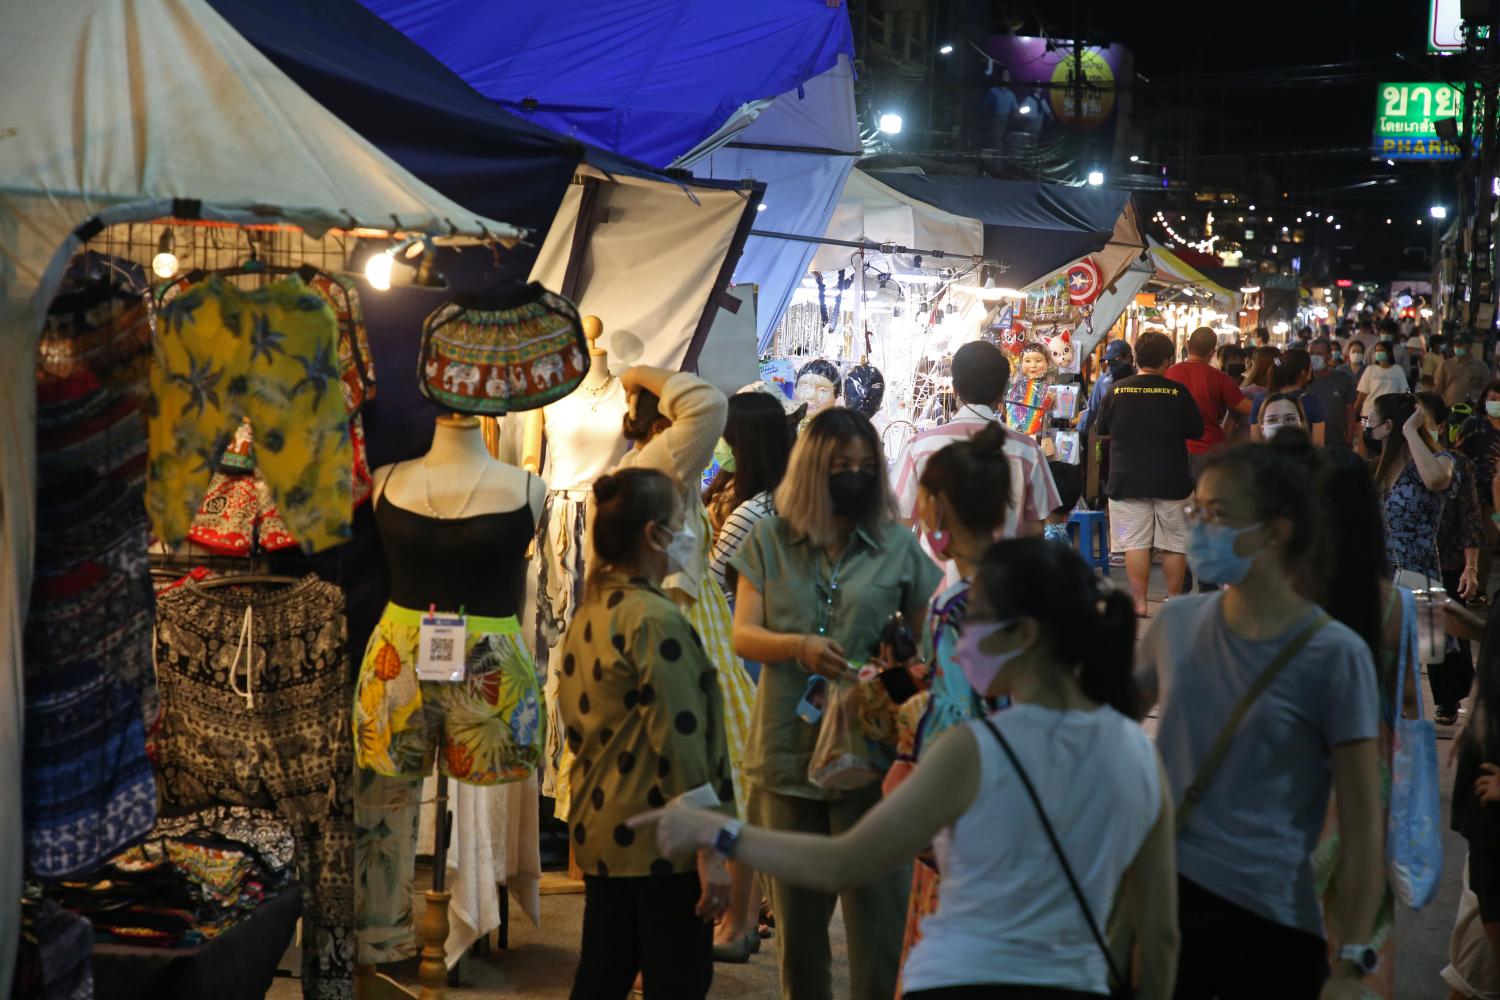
<point>727,840</point>
<point>1362,957</point>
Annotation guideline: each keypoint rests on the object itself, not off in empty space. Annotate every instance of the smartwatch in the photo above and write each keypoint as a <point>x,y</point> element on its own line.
<point>1362,957</point>
<point>727,841</point>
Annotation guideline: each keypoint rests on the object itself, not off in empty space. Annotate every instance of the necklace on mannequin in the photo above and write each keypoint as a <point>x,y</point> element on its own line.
<point>427,494</point>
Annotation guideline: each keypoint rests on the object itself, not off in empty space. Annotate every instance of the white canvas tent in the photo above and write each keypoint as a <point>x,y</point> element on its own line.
<point>874,212</point>
<point>121,108</point>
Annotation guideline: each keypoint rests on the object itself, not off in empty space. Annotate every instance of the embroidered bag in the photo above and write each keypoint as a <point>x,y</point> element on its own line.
<point>500,353</point>
<point>1414,829</point>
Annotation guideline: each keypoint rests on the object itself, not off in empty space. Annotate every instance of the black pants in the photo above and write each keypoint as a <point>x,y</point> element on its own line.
<point>1229,953</point>
<point>643,924</point>
<point>1450,679</point>
<point>1000,993</point>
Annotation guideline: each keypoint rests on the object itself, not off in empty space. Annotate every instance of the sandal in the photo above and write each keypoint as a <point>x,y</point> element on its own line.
<point>735,952</point>
<point>1445,716</point>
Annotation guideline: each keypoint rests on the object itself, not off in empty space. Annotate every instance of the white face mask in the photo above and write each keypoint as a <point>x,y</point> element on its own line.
<point>680,549</point>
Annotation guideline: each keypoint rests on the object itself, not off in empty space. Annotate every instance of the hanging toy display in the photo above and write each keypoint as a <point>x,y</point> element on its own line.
<point>1029,399</point>
<point>864,389</point>
<point>818,386</point>
<point>1064,358</point>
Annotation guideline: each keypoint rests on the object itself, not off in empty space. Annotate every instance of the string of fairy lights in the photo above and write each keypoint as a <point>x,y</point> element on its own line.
<point>1205,245</point>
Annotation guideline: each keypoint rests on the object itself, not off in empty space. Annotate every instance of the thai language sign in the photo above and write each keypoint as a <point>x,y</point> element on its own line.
<point>1406,116</point>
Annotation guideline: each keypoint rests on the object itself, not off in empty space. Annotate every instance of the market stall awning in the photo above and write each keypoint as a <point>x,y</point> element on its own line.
<point>651,79</point>
<point>1035,228</point>
<point>653,247</point>
<point>1174,270</point>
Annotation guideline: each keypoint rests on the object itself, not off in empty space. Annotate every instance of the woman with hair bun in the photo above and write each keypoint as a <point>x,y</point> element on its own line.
<point>1041,631</point>
<point>641,706</point>
<point>1264,698</point>
<point>957,514</point>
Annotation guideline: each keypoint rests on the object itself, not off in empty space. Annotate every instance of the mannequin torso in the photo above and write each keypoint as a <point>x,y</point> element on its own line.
<point>597,384</point>
<point>456,524</point>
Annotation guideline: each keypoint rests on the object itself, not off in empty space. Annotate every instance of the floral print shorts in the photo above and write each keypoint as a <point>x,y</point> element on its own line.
<point>484,730</point>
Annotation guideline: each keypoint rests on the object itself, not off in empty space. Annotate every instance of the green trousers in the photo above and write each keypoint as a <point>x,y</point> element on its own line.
<point>874,915</point>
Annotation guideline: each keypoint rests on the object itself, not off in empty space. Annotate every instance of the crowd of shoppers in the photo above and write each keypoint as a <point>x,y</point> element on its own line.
<point>1020,835</point>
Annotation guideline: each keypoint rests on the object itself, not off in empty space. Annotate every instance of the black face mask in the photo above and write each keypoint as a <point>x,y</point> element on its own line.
<point>852,493</point>
<point>1373,445</point>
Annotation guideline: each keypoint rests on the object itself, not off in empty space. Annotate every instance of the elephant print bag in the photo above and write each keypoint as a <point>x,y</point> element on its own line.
<point>504,352</point>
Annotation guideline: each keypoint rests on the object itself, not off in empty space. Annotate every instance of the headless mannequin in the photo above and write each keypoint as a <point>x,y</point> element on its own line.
<point>594,384</point>
<point>458,469</point>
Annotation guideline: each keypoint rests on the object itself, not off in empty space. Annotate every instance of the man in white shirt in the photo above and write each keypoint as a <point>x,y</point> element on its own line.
<point>981,374</point>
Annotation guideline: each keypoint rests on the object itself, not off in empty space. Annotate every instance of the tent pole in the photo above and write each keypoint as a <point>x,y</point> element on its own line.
<point>879,247</point>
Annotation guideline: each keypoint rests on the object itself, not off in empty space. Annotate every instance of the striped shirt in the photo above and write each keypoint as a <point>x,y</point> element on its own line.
<point>1033,494</point>
<point>732,535</point>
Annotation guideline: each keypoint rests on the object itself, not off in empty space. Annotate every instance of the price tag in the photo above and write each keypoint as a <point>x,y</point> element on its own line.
<point>440,648</point>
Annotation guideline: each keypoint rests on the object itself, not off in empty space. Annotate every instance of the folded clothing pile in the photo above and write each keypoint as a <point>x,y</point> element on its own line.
<point>193,878</point>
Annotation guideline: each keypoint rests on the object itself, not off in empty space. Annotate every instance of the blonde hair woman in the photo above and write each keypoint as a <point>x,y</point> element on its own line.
<point>817,583</point>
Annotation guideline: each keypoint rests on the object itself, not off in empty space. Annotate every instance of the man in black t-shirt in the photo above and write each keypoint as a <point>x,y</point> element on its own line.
<point>1149,420</point>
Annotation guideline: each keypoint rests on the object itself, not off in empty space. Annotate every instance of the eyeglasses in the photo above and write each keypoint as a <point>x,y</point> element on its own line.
<point>1197,515</point>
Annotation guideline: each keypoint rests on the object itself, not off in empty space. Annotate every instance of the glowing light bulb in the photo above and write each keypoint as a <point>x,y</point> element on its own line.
<point>164,264</point>
<point>378,271</point>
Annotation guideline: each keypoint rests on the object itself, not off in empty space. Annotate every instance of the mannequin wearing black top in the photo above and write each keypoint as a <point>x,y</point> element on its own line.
<point>456,523</point>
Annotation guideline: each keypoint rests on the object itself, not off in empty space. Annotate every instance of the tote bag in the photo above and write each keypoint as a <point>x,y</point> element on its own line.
<point>1414,838</point>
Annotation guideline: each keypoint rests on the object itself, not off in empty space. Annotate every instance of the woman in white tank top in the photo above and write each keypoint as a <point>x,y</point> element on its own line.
<point>1042,631</point>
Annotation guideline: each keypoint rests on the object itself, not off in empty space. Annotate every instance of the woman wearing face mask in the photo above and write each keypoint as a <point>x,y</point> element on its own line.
<point>817,583</point>
<point>1379,379</point>
<point>1289,378</point>
<point>1248,906</point>
<point>675,420</point>
<point>958,515</point>
<point>1279,412</point>
<point>1230,359</point>
<point>1414,479</point>
<point>640,702</point>
<point>1041,631</point>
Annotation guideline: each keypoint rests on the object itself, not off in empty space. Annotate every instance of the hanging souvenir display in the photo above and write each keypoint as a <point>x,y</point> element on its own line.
<point>1060,349</point>
<point>1029,398</point>
<point>493,354</point>
<point>1083,282</point>
<point>818,386</point>
<point>864,389</point>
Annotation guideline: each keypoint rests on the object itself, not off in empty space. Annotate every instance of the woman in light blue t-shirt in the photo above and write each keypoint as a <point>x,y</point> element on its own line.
<point>1248,905</point>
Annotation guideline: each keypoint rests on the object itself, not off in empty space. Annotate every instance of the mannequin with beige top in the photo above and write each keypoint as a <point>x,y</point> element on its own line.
<point>455,526</point>
<point>575,441</point>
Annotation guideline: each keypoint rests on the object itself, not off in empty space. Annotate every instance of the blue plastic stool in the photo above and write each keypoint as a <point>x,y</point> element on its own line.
<point>1091,537</point>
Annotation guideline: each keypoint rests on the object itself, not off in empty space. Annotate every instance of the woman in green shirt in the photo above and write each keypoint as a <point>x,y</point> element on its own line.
<point>817,583</point>
<point>643,717</point>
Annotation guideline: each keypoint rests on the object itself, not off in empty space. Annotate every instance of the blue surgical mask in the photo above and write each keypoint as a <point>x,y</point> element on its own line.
<point>1211,555</point>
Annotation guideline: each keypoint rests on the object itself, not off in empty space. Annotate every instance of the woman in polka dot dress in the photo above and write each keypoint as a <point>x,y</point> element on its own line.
<point>643,719</point>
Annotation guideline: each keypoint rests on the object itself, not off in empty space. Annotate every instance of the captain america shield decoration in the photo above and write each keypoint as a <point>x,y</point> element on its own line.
<point>1083,282</point>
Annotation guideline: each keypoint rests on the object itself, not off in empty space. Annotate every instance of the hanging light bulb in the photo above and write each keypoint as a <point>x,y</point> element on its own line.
<point>164,264</point>
<point>378,270</point>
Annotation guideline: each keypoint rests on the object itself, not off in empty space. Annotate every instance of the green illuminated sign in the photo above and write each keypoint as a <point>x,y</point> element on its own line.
<point>1405,117</point>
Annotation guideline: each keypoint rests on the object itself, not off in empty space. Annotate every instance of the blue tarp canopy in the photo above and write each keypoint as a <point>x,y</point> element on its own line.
<point>651,79</point>
<point>418,111</point>
<point>648,251</point>
<point>1036,228</point>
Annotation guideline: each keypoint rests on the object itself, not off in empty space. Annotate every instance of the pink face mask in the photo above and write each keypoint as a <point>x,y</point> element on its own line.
<point>981,668</point>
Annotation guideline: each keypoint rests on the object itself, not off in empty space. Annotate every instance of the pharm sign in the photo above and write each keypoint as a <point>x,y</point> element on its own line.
<point>1405,114</point>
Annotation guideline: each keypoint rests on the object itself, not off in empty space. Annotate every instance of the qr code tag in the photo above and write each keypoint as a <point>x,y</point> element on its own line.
<point>440,648</point>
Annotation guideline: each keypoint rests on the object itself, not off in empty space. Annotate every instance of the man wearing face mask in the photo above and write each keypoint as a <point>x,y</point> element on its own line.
<point>1462,378</point>
<point>1332,387</point>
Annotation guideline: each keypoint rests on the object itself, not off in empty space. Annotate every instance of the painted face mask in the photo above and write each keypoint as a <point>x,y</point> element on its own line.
<point>981,668</point>
<point>1211,553</point>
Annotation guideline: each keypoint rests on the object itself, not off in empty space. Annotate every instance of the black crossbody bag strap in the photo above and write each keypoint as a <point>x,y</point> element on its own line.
<point>1119,988</point>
